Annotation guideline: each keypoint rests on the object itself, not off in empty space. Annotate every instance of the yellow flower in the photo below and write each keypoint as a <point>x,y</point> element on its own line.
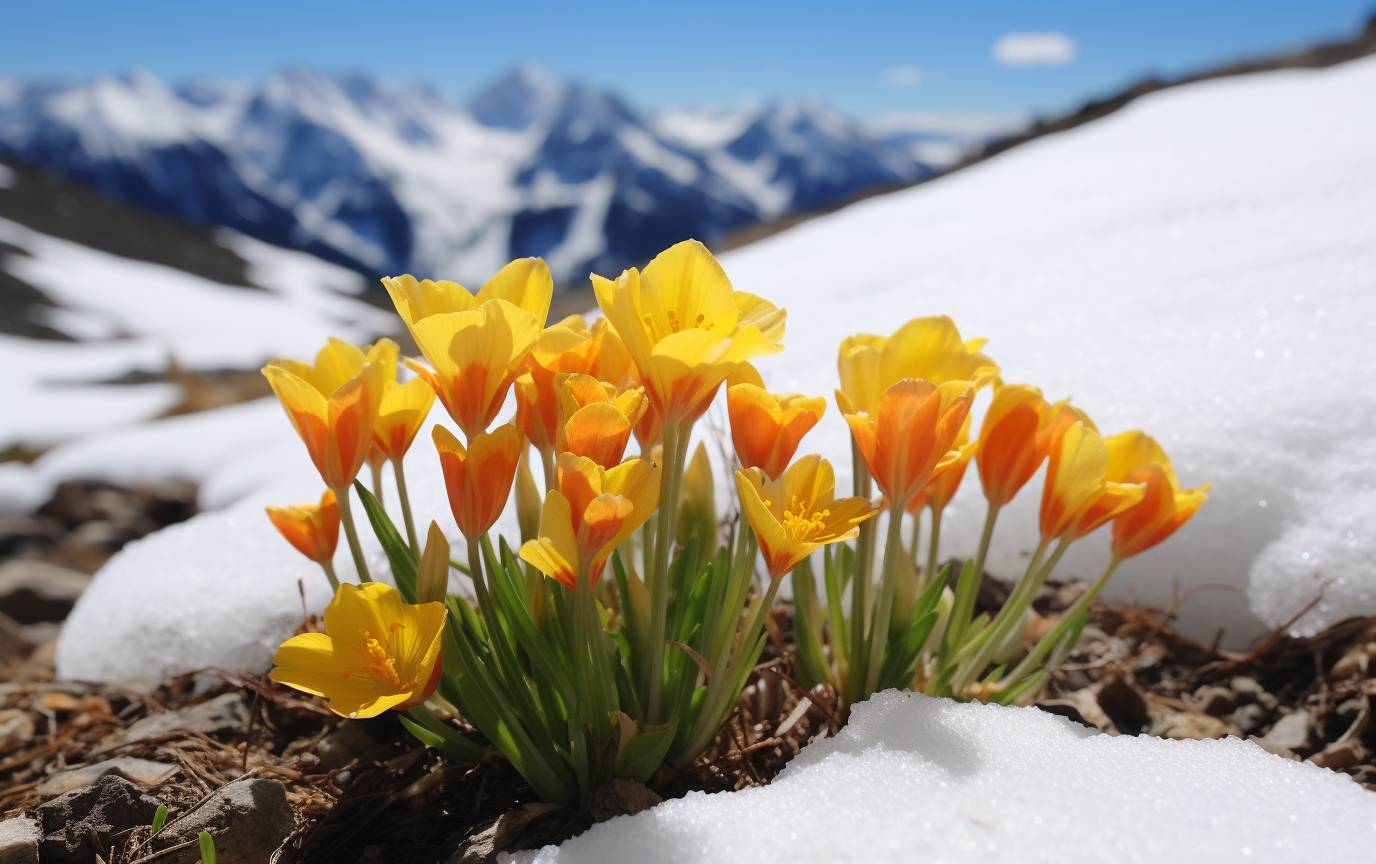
<point>1013,440</point>
<point>403,409</point>
<point>589,515</point>
<point>569,346</point>
<point>333,405</point>
<point>478,478</point>
<point>1134,457</point>
<point>686,328</point>
<point>313,529</point>
<point>476,344</point>
<point>598,420</point>
<point>909,440</point>
<point>1078,495</point>
<point>524,283</point>
<point>926,348</point>
<point>376,653</point>
<point>798,512</point>
<point>766,427</point>
<point>943,486</point>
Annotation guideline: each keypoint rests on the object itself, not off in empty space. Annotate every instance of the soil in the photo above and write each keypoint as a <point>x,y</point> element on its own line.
<point>362,791</point>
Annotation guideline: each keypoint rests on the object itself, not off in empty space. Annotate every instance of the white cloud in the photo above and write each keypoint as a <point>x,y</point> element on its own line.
<point>1034,49</point>
<point>903,77</point>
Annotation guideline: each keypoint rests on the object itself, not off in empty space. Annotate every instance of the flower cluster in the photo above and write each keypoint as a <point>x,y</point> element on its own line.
<point>617,635</point>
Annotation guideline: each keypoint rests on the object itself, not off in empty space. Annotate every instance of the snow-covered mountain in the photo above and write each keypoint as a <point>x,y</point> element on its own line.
<point>388,177</point>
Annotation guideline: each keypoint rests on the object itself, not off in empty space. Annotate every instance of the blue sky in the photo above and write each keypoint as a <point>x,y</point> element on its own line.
<point>866,57</point>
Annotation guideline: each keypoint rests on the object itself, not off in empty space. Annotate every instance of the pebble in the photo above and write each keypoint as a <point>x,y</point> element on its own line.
<point>223,714</point>
<point>248,818</point>
<point>80,824</point>
<point>19,838</point>
<point>144,773</point>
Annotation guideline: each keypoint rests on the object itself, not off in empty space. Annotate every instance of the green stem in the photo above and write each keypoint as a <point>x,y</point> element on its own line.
<point>1052,639</point>
<point>985,537</point>
<point>933,545</point>
<point>328,567</point>
<point>376,469</point>
<point>346,518</point>
<point>883,611</point>
<point>657,580</point>
<point>405,507</point>
<point>1008,615</point>
<point>864,563</point>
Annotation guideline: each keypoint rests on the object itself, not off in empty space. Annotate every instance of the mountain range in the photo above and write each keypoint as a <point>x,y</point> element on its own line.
<point>385,177</point>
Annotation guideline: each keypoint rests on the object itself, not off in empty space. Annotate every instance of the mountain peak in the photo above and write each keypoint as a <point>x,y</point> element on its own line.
<point>517,98</point>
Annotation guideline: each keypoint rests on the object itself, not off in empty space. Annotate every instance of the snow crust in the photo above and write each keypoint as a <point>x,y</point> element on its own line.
<point>1199,264</point>
<point>913,778</point>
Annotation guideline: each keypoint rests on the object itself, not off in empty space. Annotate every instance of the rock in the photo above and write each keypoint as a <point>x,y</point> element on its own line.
<point>144,773</point>
<point>1250,718</point>
<point>16,729</point>
<point>249,820</point>
<point>485,844</point>
<point>1124,706</point>
<point>33,591</point>
<point>80,824</point>
<point>1290,734</point>
<point>622,797</point>
<point>223,714</point>
<point>19,838</point>
<point>1214,700</point>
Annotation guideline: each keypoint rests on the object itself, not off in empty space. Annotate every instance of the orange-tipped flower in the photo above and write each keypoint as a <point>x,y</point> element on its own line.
<point>943,486</point>
<point>475,344</point>
<point>796,513</point>
<point>333,405</point>
<point>686,328</point>
<point>377,653</point>
<point>1136,458</point>
<point>478,478</point>
<point>1078,495</point>
<point>598,420</point>
<point>312,528</point>
<point>589,515</point>
<point>767,427</point>
<point>402,412</point>
<point>1013,440</point>
<point>927,348</point>
<point>911,438</point>
<point>573,347</point>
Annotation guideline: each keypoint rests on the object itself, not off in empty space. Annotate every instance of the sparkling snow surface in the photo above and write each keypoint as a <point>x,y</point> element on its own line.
<point>1200,264</point>
<point>912,778</point>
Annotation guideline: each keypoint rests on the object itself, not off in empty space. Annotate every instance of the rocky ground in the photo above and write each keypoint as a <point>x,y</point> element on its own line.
<point>84,768</point>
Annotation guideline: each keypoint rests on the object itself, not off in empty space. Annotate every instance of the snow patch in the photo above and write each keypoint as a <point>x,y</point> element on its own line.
<point>913,778</point>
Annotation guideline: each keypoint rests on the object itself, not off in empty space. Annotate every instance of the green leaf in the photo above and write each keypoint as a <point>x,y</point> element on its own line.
<point>443,739</point>
<point>640,749</point>
<point>1006,697</point>
<point>807,627</point>
<point>159,818</point>
<point>958,626</point>
<point>207,844</point>
<point>399,555</point>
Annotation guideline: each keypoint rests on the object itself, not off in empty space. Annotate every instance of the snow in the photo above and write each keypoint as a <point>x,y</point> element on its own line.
<point>1216,292</point>
<point>1200,265</point>
<point>222,589</point>
<point>139,317</point>
<point>913,778</point>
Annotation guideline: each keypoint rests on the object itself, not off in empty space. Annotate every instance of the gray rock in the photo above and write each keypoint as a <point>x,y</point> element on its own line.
<point>19,838</point>
<point>1290,734</point>
<point>81,824</point>
<point>249,819</point>
<point>223,714</point>
<point>33,591</point>
<point>144,773</point>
